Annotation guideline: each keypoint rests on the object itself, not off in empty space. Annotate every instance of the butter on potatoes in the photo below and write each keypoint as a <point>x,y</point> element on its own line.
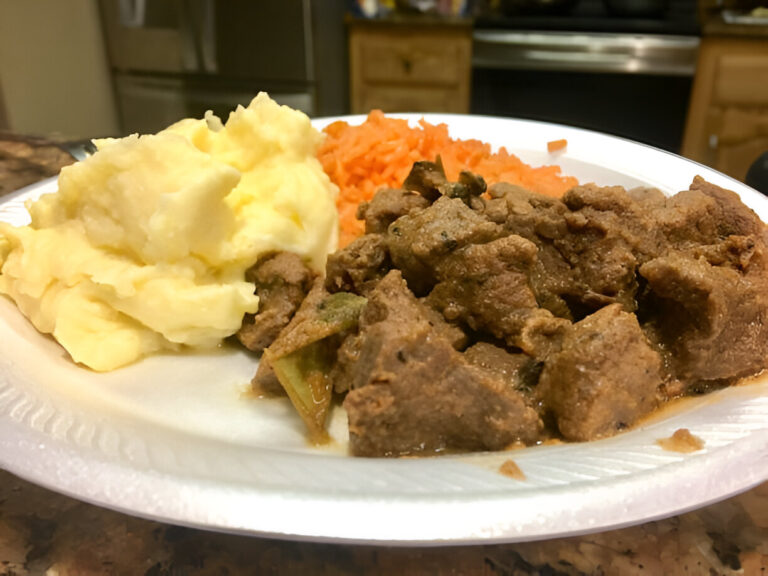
<point>145,244</point>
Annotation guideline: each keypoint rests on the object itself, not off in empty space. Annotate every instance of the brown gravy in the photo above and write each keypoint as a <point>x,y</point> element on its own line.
<point>510,469</point>
<point>681,441</point>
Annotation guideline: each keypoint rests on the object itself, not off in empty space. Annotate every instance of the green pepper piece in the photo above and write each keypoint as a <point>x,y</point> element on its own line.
<point>304,375</point>
<point>302,357</point>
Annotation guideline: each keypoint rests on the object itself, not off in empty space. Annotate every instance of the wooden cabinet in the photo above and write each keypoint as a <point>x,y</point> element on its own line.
<point>410,66</point>
<point>727,126</point>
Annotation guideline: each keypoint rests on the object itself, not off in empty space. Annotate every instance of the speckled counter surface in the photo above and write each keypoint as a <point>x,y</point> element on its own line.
<point>42,532</point>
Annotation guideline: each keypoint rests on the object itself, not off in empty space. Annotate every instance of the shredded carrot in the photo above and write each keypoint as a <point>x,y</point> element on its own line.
<point>556,145</point>
<point>380,153</point>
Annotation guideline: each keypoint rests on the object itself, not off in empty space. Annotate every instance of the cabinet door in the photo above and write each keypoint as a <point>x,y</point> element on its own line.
<point>410,69</point>
<point>742,137</point>
<point>427,59</point>
<point>742,79</point>
<point>727,119</point>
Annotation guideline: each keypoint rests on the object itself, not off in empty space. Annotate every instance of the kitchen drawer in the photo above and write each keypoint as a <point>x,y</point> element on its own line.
<point>408,67</point>
<point>423,59</point>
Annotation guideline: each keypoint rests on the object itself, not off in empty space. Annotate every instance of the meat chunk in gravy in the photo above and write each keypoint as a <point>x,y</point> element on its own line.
<point>589,245</point>
<point>487,288</point>
<point>282,282</point>
<point>419,241</point>
<point>387,206</point>
<point>603,379</point>
<point>710,309</point>
<point>514,317</point>
<point>359,266</point>
<point>411,392</point>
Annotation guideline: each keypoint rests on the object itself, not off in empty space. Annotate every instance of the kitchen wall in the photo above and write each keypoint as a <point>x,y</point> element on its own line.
<point>54,78</point>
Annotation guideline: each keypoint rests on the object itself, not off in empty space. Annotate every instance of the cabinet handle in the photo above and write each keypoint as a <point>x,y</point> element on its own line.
<point>407,65</point>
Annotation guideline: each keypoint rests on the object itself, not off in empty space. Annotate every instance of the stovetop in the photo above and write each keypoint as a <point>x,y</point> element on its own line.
<point>592,16</point>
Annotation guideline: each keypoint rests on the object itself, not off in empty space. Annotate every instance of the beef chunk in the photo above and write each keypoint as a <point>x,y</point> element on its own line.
<point>609,236</point>
<point>451,332</point>
<point>620,217</point>
<point>604,378</point>
<point>411,392</point>
<point>530,215</point>
<point>540,333</point>
<point>589,246</point>
<point>518,370</point>
<point>743,253</point>
<point>687,218</point>
<point>541,220</point>
<point>495,210</point>
<point>486,288</point>
<point>282,281</point>
<point>704,214</point>
<point>387,205</point>
<point>709,309</point>
<point>647,197</point>
<point>733,217</point>
<point>346,370</point>
<point>418,242</point>
<point>359,266</point>
<point>481,284</point>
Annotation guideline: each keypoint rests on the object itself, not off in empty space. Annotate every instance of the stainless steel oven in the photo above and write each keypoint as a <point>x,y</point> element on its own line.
<point>622,75</point>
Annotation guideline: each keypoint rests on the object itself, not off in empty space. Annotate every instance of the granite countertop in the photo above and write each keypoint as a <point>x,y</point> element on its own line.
<point>42,532</point>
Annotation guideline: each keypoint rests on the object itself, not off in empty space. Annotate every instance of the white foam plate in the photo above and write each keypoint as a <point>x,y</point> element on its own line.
<point>178,438</point>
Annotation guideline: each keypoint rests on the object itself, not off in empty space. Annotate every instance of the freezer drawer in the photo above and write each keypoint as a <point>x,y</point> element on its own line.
<point>148,104</point>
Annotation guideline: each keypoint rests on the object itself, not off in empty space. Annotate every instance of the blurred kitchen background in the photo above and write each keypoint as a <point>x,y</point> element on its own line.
<point>689,76</point>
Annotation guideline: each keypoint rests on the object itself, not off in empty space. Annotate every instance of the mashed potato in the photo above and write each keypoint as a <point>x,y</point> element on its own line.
<point>145,245</point>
